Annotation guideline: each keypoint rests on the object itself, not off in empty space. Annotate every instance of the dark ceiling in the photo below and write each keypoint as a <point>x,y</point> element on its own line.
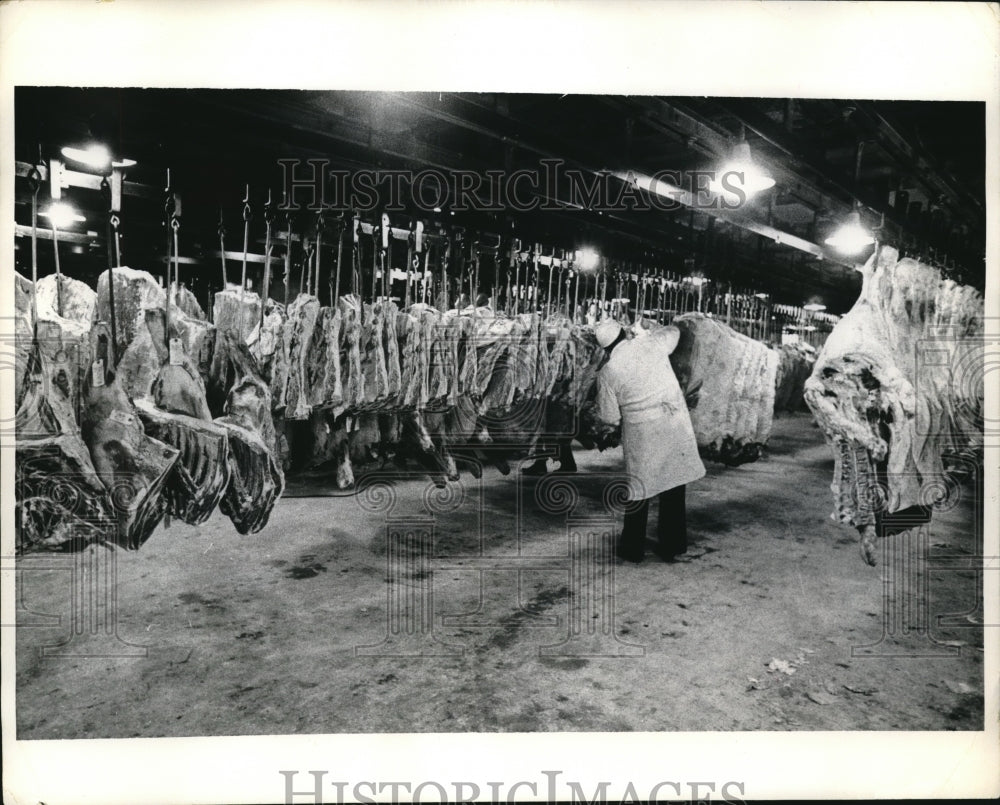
<point>919,181</point>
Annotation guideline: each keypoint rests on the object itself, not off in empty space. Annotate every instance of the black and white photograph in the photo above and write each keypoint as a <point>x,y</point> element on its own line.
<point>444,411</point>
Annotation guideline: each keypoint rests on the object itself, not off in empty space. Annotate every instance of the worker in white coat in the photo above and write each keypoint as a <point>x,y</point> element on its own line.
<point>637,387</point>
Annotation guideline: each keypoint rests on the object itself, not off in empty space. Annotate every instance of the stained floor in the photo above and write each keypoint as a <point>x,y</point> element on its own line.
<point>494,611</point>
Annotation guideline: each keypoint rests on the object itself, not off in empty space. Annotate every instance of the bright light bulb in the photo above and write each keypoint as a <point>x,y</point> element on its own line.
<point>61,215</point>
<point>741,174</point>
<point>852,237</point>
<point>734,179</point>
<point>588,259</point>
<point>95,156</point>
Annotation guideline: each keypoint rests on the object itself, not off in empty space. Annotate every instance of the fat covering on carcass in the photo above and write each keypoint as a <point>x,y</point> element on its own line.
<point>729,380</point>
<point>898,391</point>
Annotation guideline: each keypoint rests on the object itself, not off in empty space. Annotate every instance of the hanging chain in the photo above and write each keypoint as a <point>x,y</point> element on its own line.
<point>222,248</point>
<point>335,291</point>
<point>247,215</point>
<point>427,276</point>
<point>305,278</point>
<point>175,225</point>
<point>55,252</point>
<point>115,221</point>
<point>34,182</point>
<point>288,256</point>
<point>266,287</point>
<point>320,225</point>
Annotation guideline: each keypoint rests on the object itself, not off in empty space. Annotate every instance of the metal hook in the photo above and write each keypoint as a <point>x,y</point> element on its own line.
<point>246,205</point>
<point>34,178</point>
<point>268,211</point>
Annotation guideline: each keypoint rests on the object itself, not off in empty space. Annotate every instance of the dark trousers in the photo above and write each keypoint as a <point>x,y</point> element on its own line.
<point>671,526</point>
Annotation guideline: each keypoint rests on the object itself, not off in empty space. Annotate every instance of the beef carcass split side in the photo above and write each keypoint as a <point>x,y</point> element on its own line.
<point>168,391</point>
<point>184,299</point>
<point>256,480</point>
<point>269,348</point>
<point>891,392</point>
<point>66,298</point>
<point>200,478</point>
<point>134,291</point>
<point>60,501</point>
<point>795,364</point>
<point>298,331</point>
<point>236,311</point>
<point>324,383</point>
<point>729,379</point>
<point>134,467</point>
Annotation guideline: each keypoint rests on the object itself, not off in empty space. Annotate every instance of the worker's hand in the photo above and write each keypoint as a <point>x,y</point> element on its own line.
<point>639,329</point>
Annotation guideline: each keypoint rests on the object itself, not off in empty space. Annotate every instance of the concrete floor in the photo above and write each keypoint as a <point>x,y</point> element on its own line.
<point>753,630</point>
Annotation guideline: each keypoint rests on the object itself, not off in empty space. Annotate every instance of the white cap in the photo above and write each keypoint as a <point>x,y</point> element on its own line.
<point>607,332</point>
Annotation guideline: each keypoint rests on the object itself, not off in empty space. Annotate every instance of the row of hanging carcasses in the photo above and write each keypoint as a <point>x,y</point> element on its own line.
<point>361,384</point>
<point>114,429</point>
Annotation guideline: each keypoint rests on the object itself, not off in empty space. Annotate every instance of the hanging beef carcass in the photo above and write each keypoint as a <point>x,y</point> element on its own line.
<point>795,363</point>
<point>201,475</point>
<point>236,311</point>
<point>188,302</point>
<point>353,372</point>
<point>256,480</point>
<point>134,292</point>
<point>168,392</point>
<point>324,383</point>
<point>375,377</point>
<point>60,501</point>
<point>67,298</point>
<point>729,382</point>
<point>298,331</point>
<point>270,349</point>
<point>64,340</point>
<point>897,386</point>
<point>134,467</point>
<point>23,334</point>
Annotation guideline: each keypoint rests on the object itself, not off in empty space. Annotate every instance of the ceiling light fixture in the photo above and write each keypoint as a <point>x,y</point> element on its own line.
<point>740,173</point>
<point>95,156</point>
<point>852,237</point>
<point>588,259</point>
<point>61,215</point>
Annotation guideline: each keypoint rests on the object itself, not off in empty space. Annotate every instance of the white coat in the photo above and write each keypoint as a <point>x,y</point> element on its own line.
<point>637,387</point>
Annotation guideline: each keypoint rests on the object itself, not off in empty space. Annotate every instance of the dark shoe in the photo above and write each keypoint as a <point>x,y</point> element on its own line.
<point>564,470</point>
<point>634,558</point>
<point>537,469</point>
<point>629,554</point>
<point>668,553</point>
